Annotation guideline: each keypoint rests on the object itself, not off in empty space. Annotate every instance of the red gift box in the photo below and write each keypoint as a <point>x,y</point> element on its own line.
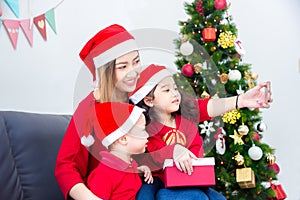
<point>209,34</point>
<point>280,194</point>
<point>203,173</point>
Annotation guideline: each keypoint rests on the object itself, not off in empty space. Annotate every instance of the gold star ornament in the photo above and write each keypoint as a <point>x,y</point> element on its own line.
<point>237,138</point>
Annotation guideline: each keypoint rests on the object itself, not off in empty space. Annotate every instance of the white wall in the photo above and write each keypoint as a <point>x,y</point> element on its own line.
<point>43,78</point>
<point>270,33</point>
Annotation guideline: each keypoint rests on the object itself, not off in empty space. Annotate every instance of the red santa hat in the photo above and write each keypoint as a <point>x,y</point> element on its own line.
<point>115,119</point>
<point>107,45</point>
<point>149,78</point>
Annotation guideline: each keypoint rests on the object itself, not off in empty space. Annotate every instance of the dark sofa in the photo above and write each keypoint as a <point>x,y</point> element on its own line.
<point>29,143</point>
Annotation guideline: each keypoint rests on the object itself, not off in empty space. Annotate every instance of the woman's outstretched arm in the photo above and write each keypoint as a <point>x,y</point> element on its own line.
<point>257,97</point>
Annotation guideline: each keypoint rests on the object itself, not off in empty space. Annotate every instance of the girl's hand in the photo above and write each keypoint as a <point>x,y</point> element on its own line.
<point>183,159</point>
<point>257,97</point>
<point>147,173</point>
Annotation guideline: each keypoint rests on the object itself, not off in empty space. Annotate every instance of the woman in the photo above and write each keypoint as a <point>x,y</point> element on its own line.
<point>112,57</point>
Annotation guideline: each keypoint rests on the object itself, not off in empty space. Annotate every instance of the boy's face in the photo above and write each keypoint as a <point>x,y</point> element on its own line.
<point>166,96</point>
<point>138,137</point>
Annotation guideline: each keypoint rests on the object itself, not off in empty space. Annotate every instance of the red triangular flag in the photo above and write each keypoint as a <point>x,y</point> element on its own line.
<point>12,28</point>
<point>40,23</point>
<point>27,29</point>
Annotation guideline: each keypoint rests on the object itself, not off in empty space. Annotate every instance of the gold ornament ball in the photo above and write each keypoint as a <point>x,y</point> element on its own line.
<point>205,95</point>
<point>184,38</point>
<point>212,49</point>
<point>271,159</point>
<point>243,129</point>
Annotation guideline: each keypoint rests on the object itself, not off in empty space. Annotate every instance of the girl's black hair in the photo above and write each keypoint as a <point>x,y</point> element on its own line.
<point>187,108</point>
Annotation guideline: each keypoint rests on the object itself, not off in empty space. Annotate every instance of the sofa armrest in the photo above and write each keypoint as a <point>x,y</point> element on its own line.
<point>29,143</point>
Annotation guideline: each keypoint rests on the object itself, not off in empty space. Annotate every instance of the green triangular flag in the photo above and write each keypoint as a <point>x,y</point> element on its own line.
<point>49,15</point>
<point>14,6</point>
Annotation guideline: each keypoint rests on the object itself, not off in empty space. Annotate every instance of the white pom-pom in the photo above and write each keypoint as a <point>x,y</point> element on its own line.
<point>234,75</point>
<point>186,48</point>
<point>87,141</point>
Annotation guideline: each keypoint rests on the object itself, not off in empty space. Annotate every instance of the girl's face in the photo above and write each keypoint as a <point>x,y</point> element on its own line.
<point>137,137</point>
<point>127,71</point>
<point>166,96</point>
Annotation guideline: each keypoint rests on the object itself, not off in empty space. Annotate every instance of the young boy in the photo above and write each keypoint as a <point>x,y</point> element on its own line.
<point>121,128</point>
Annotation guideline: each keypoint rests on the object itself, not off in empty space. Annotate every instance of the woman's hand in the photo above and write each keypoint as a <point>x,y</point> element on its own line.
<point>257,97</point>
<point>147,173</point>
<point>81,192</point>
<point>183,159</point>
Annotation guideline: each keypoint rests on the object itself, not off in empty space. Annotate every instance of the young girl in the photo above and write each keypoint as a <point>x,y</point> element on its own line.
<point>112,58</point>
<point>173,130</point>
<point>121,127</point>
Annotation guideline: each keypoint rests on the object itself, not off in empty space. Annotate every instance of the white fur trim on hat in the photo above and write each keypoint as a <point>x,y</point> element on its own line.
<point>124,128</point>
<point>149,85</point>
<point>115,52</point>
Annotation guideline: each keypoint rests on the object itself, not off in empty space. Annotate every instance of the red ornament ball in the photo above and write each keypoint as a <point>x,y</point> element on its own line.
<point>255,136</point>
<point>0,11</point>
<point>187,70</point>
<point>220,4</point>
<point>275,167</point>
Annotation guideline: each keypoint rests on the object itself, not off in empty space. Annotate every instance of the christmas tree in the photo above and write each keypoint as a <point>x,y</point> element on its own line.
<point>210,58</point>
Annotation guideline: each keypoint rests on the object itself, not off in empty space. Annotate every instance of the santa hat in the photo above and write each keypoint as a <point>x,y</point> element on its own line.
<point>107,45</point>
<point>115,119</point>
<point>149,78</point>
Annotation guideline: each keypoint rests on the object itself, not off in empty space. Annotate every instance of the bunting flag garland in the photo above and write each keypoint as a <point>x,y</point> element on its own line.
<point>27,29</point>
<point>14,6</point>
<point>51,19</point>
<point>40,23</point>
<point>12,28</point>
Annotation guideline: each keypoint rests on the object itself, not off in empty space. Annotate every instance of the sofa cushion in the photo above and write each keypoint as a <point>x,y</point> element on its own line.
<point>29,143</point>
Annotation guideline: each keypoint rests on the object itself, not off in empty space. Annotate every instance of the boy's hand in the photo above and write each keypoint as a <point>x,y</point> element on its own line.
<point>147,173</point>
